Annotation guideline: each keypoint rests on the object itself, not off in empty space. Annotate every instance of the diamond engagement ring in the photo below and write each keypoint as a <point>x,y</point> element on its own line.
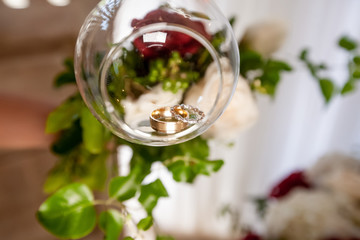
<point>194,115</point>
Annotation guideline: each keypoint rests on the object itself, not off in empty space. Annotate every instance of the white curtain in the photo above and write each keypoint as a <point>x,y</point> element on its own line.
<point>293,130</point>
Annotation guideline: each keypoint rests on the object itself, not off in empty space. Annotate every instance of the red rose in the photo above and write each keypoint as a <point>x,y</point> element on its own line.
<point>294,180</point>
<point>251,236</point>
<point>175,41</point>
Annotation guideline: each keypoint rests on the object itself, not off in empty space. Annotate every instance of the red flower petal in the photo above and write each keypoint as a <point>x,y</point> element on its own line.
<point>294,180</point>
<point>175,41</point>
<point>251,236</point>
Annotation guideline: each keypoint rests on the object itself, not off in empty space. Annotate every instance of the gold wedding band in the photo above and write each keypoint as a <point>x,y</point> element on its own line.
<point>163,120</point>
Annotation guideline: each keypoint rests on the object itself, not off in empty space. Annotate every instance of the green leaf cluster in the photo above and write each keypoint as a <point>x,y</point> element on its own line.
<point>67,76</point>
<point>111,222</point>
<point>82,145</point>
<point>263,73</point>
<point>69,213</point>
<point>174,73</point>
<point>131,75</point>
<point>328,87</point>
<point>185,161</point>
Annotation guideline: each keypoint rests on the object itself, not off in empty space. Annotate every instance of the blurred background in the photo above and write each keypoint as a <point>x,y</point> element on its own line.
<point>293,130</point>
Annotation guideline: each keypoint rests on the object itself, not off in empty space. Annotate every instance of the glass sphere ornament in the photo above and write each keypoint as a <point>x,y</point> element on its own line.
<point>156,72</point>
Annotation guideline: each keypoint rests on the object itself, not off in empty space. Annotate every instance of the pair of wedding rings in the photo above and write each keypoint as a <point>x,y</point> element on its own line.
<point>170,120</point>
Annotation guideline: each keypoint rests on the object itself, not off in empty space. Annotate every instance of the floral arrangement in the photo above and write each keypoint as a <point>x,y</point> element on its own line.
<point>85,147</point>
<point>319,203</point>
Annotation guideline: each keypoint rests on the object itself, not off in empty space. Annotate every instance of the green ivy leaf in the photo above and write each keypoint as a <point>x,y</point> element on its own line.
<point>111,223</point>
<point>64,115</point>
<point>276,65</point>
<point>348,87</point>
<point>250,60</point>
<point>356,74</point>
<point>64,78</point>
<point>164,238</point>
<point>128,238</point>
<point>93,132</point>
<point>150,195</point>
<point>57,178</point>
<point>181,172</point>
<point>196,148</point>
<point>189,159</point>
<point>125,187</point>
<point>93,169</point>
<point>68,76</point>
<point>356,60</point>
<point>68,140</point>
<point>327,88</point>
<point>206,167</point>
<point>145,223</point>
<point>347,43</point>
<point>261,205</point>
<point>186,169</point>
<point>232,20</point>
<point>69,213</point>
<point>304,54</point>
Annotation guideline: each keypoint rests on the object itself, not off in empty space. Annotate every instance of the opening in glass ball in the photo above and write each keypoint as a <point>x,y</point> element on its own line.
<point>164,82</point>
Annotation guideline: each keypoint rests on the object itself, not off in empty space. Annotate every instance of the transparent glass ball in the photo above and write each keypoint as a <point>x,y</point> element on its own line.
<point>156,72</point>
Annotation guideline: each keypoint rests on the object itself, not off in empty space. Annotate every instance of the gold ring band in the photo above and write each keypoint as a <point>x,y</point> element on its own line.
<point>163,120</point>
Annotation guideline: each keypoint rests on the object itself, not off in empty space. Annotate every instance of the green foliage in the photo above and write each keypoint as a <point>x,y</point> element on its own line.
<point>271,76</point>
<point>82,149</point>
<point>64,115</point>
<point>174,73</point>
<point>91,169</point>
<point>67,76</point>
<point>80,166</point>
<point>188,160</point>
<point>134,75</point>
<point>69,213</point>
<point>69,139</point>
<point>261,204</point>
<point>84,145</point>
<point>57,177</point>
<point>185,169</point>
<point>164,238</point>
<point>203,58</point>
<point>128,238</point>
<point>264,73</point>
<point>111,223</point>
<point>232,21</point>
<point>150,195</point>
<point>145,223</point>
<point>347,43</point>
<point>125,187</point>
<point>328,87</point>
<point>93,132</point>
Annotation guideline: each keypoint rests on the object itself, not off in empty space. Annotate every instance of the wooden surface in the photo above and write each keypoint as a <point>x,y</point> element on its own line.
<point>33,44</point>
<point>21,177</point>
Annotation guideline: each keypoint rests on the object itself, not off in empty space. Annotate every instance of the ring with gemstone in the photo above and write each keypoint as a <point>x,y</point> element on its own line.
<point>193,115</point>
<point>165,120</point>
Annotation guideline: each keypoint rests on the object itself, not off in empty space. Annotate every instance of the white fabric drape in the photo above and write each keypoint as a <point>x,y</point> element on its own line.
<point>293,130</point>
